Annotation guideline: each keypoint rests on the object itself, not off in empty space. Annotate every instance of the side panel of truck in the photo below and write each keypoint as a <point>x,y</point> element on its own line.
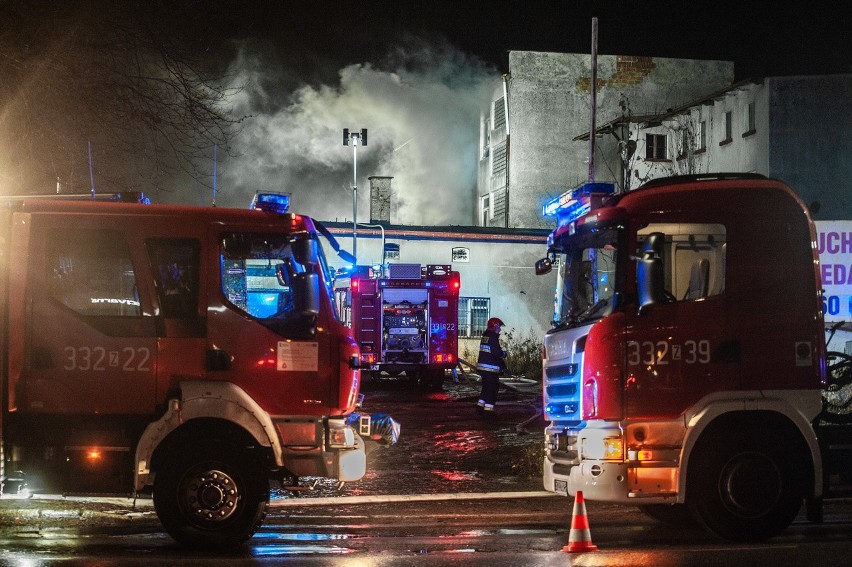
<point>107,364</point>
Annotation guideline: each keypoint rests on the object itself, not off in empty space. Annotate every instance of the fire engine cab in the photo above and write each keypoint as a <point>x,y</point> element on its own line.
<point>192,354</point>
<point>685,367</point>
<point>405,319</point>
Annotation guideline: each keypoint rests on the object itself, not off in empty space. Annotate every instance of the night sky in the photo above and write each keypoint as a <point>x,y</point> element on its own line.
<point>417,74</point>
<point>762,38</point>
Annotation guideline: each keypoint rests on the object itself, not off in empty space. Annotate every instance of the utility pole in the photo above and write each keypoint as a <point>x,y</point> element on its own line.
<point>594,104</point>
<point>354,138</point>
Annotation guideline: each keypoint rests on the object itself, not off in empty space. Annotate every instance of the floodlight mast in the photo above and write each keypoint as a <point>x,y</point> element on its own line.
<point>354,138</point>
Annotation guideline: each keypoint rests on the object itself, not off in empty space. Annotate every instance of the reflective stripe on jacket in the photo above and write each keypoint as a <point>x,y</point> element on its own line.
<point>491,355</point>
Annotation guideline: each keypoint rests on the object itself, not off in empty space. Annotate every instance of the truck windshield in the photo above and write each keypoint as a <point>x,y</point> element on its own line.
<point>260,273</point>
<point>587,277</point>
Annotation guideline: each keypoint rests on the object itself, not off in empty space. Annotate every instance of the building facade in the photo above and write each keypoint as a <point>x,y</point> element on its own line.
<point>796,129</point>
<point>526,153</point>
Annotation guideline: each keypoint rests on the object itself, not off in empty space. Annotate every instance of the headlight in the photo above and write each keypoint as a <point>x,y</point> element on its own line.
<point>606,449</point>
<point>340,437</point>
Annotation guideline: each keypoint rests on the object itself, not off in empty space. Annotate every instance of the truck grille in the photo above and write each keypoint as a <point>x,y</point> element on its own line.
<point>562,392</point>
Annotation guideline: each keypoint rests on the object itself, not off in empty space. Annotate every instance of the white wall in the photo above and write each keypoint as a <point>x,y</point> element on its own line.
<point>500,266</point>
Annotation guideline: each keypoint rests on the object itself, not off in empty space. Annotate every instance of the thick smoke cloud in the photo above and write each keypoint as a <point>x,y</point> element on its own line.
<point>421,106</point>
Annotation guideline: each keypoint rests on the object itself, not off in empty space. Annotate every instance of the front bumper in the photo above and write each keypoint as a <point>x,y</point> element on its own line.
<point>638,479</point>
<point>335,447</point>
<point>620,483</point>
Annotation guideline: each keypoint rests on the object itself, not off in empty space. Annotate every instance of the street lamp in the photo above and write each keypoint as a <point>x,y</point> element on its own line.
<point>354,138</point>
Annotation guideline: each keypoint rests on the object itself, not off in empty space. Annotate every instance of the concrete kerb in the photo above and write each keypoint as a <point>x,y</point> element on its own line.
<point>30,507</point>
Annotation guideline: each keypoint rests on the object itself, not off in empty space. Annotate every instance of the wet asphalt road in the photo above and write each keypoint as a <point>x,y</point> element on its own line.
<point>446,447</point>
<point>456,490</point>
<point>475,531</point>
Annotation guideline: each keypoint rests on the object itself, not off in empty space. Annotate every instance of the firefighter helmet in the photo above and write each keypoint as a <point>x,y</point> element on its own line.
<point>494,321</point>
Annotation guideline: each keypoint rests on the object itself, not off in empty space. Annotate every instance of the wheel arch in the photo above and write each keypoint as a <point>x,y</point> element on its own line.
<point>716,422</point>
<point>204,431</point>
<point>204,409</point>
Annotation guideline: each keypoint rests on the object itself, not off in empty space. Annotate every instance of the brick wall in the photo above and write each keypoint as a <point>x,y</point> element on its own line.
<point>629,70</point>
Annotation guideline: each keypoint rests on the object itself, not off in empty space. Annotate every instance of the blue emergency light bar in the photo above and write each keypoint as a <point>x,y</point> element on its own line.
<point>573,204</point>
<point>271,202</point>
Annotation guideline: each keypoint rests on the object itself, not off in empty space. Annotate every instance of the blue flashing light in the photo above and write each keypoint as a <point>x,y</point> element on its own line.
<point>573,204</point>
<point>271,202</point>
<point>132,197</point>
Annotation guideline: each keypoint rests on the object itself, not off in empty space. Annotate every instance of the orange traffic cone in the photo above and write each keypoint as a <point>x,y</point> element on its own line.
<point>580,538</point>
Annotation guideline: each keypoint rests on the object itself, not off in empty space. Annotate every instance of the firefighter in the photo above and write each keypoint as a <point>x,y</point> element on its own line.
<point>490,365</point>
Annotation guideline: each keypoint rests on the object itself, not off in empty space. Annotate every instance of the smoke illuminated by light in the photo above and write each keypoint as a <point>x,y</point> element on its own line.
<point>422,107</point>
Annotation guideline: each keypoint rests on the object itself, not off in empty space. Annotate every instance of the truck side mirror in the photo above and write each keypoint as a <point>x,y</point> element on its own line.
<point>649,272</point>
<point>306,293</point>
<point>306,251</point>
<point>543,266</point>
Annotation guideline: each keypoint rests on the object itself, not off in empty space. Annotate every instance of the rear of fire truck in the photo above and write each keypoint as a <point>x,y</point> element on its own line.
<point>405,319</point>
<point>684,368</point>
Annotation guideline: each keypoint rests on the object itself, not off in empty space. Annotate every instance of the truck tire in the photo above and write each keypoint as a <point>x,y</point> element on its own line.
<point>434,379</point>
<point>211,498</point>
<point>745,486</point>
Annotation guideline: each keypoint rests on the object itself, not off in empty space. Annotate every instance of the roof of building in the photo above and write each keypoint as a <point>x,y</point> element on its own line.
<point>651,119</point>
<point>456,233</point>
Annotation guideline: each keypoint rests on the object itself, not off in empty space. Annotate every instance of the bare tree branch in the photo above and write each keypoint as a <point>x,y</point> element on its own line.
<point>138,80</point>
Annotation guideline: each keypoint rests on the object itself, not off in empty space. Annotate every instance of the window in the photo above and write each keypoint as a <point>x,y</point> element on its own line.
<point>267,277</point>
<point>728,129</point>
<point>702,135</point>
<point>499,113</point>
<point>693,259</point>
<point>587,271</point>
<point>655,146</point>
<point>486,137</point>
<point>750,127</point>
<point>90,272</point>
<point>498,160</point>
<point>486,209</point>
<point>498,204</point>
<point>175,266</point>
<point>473,315</point>
<point>684,142</point>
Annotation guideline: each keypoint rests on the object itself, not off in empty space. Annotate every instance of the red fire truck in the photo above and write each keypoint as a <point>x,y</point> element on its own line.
<point>191,354</point>
<point>686,366</point>
<point>405,320</point>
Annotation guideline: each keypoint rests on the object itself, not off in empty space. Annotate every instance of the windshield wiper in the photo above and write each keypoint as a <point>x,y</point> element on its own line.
<point>586,314</point>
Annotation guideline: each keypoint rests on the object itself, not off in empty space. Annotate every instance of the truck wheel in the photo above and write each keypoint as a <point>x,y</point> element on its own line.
<point>744,487</point>
<point>211,499</point>
<point>677,515</point>
<point>434,379</point>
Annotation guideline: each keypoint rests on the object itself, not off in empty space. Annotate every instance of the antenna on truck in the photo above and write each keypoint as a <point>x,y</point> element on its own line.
<point>91,174</point>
